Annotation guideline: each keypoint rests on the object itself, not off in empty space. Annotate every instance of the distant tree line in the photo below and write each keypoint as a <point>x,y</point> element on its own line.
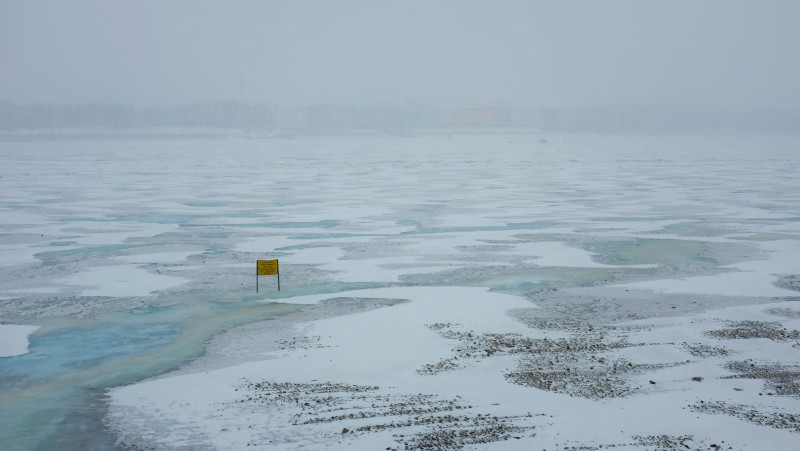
<point>31,116</point>
<point>641,119</point>
<point>116,116</point>
<point>225,114</point>
<point>392,117</point>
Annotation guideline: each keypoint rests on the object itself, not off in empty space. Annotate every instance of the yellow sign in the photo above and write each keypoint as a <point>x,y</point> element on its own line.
<point>267,267</point>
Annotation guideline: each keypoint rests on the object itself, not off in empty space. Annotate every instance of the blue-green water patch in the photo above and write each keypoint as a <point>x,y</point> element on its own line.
<point>51,257</point>
<point>215,235</point>
<point>768,237</point>
<point>410,223</point>
<point>509,226</point>
<point>324,224</point>
<point>295,247</point>
<point>633,218</point>
<point>775,220</point>
<point>216,250</point>
<point>157,219</point>
<point>696,229</point>
<point>518,280</point>
<point>70,361</point>
<point>671,252</point>
<point>62,351</point>
<point>322,236</point>
<point>204,204</point>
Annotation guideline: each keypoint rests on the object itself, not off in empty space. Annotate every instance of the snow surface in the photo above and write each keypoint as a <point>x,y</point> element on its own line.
<point>121,280</point>
<point>14,339</point>
<point>386,347</point>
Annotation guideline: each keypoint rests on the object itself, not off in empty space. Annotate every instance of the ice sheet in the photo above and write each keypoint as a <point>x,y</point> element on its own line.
<point>150,245</point>
<point>121,280</point>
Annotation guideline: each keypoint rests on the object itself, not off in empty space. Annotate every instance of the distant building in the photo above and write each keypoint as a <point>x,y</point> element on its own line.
<point>376,116</point>
<point>482,116</point>
<point>330,116</point>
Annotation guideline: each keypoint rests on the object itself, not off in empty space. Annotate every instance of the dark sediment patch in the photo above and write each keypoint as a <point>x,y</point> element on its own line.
<point>779,379</point>
<point>761,416</point>
<point>575,365</point>
<point>785,312</point>
<point>772,330</point>
<point>420,421</point>
<point>789,281</point>
<point>704,351</point>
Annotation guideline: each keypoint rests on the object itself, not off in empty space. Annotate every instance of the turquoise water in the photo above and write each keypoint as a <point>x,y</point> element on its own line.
<point>53,394</point>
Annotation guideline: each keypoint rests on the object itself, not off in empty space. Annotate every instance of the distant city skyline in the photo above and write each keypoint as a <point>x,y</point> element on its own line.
<point>738,54</point>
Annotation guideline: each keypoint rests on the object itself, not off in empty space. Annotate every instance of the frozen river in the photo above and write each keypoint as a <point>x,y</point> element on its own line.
<point>131,257</point>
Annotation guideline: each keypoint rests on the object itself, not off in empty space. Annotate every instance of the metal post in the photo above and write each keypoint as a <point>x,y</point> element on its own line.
<point>277,266</point>
<point>256,276</point>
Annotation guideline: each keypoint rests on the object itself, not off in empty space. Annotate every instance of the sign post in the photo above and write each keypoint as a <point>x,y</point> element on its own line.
<point>267,268</point>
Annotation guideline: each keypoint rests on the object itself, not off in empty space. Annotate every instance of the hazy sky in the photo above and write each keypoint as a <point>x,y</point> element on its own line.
<point>526,52</point>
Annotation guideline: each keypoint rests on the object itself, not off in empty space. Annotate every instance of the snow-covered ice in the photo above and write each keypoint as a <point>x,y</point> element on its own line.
<point>438,291</point>
<point>14,339</point>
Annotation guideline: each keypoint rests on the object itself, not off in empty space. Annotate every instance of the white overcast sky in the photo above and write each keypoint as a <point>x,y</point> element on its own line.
<point>525,52</point>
